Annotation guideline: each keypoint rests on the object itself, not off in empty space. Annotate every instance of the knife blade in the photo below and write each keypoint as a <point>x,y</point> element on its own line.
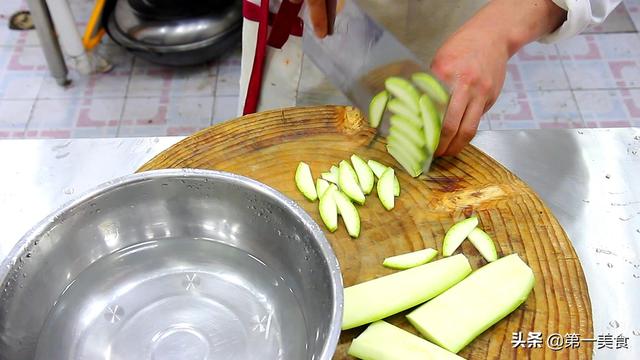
<point>359,55</point>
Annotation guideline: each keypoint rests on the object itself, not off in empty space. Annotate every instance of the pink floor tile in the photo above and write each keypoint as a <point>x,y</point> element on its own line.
<point>631,99</point>
<point>601,106</point>
<point>555,107</point>
<point>510,106</point>
<point>101,116</point>
<point>604,61</point>
<point>535,67</point>
<point>14,114</point>
<point>633,7</point>
<point>150,79</point>
<point>175,116</point>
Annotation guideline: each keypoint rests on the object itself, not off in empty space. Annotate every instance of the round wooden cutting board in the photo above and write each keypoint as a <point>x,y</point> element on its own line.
<point>268,146</point>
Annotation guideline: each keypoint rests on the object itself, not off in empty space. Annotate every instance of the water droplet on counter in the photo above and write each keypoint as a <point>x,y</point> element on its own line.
<point>603,251</point>
<point>69,190</point>
<point>636,276</point>
<point>580,132</point>
<point>636,266</point>
<point>614,324</point>
<point>28,255</point>
<point>636,332</point>
<point>637,137</point>
<point>608,176</point>
<point>609,265</point>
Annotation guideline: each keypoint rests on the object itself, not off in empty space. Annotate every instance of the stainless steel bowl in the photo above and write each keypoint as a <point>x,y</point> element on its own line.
<point>172,264</point>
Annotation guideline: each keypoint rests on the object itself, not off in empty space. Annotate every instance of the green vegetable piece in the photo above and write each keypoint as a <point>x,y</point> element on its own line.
<point>364,173</point>
<point>378,169</point>
<point>383,341</point>
<point>431,86</point>
<point>415,135</point>
<point>321,186</point>
<point>328,208</point>
<point>457,233</point>
<point>412,168</point>
<point>409,260</point>
<point>431,123</point>
<point>456,317</point>
<point>348,182</point>
<point>387,295</point>
<point>385,189</point>
<point>403,90</point>
<point>304,181</point>
<point>482,241</point>
<point>376,108</point>
<point>398,108</point>
<point>349,213</point>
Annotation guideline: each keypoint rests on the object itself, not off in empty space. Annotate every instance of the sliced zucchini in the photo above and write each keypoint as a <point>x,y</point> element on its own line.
<point>385,189</point>
<point>328,208</point>
<point>378,169</point>
<point>329,177</point>
<point>457,233</point>
<point>364,172</point>
<point>431,86</point>
<point>412,168</point>
<point>457,316</point>
<point>387,295</point>
<point>383,341</point>
<point>431,123</point>
<point>376,108</point>
<point>348,212</point>
<point>403,90</point>
<point>304,181</point>
<point>398,108</point>
<point>416,135</point>
<point>409,260</point>
<point>321,186</point>
<point>348,182</point>
<point>482,241</point>
<point>417,154</point>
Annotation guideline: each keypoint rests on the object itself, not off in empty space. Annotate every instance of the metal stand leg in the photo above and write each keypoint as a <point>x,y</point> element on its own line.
<point>49,41</point>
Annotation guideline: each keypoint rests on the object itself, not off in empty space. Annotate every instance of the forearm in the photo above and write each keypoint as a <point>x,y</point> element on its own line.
<point>515,23</point>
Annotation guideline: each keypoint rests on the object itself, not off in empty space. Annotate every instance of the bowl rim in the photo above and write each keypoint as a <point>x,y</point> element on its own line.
<point>7,264</point>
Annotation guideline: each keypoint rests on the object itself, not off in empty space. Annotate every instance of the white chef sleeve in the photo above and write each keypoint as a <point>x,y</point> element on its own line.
<point>580,15</point>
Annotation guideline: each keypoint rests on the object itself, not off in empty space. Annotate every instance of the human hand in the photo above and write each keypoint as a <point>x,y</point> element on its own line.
<point>473,64</point>
<point>473,61</point>
<point>319,14</point>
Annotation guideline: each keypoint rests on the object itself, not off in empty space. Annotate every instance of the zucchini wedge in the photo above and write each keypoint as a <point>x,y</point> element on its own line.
<point>431,123</point>
<point>482,241</point>
<point>409,260</point>
<point>328,208</point>
<point>304,181</point>
<point>431,87</point>
<point>348,183</point>
<point>403,90</point>
<point>349,213</point>
<point>378,169</point>
<point>376,108</point>
<point>457,233</point>
<point>321,186</point>
<point>385,189</point>
<point>364,173</point>
<point>412,168</point>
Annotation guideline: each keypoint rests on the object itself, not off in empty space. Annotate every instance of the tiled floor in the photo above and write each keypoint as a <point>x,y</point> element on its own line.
<point>592,80</point>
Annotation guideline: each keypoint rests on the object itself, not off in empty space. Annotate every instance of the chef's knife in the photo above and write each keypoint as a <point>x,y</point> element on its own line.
<point>359,54</point>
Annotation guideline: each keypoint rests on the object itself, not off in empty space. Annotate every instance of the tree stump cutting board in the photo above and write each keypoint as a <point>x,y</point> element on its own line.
<point>268,146</point>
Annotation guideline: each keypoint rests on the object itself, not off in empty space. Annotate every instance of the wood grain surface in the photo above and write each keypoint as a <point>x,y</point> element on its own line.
<point>268,146</point>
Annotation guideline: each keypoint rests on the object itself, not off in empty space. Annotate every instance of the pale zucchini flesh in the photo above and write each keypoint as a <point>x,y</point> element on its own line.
<point>376,108</point>
<point>457,233</point>
<point>482,241</point>
<point>378,169</point>
<point>414,120</point>
<point>364,173</point>
<point>431,86</point>
<point>431,123</point>
<point>385,189</point>
<point>304,181</point>
<point>383,341</point>
<point>416,154</point>
<point>328,208</point>
<point>348,182</point>
<point>403,90</point>
<point>416,135</point>
<point>382,297</point>
<point>330,177</point>
<point>321,186</point>
<point>398,109</point>
<point>457,316</point>
<point>409,260</point>
<point>412,168</point>
<point>349,213</point>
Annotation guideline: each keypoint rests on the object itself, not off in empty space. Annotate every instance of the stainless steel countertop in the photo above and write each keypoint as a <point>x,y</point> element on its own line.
<point>585,176</point>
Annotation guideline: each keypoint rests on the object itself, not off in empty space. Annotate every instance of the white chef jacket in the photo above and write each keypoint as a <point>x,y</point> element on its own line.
<point>282,67</point>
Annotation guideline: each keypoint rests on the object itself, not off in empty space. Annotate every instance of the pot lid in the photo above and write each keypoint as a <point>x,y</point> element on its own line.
<point>170,22</point>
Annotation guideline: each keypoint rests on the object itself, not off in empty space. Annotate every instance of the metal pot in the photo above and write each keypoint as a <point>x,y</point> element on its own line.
<point>172,264</point>
<point>176,32</point>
